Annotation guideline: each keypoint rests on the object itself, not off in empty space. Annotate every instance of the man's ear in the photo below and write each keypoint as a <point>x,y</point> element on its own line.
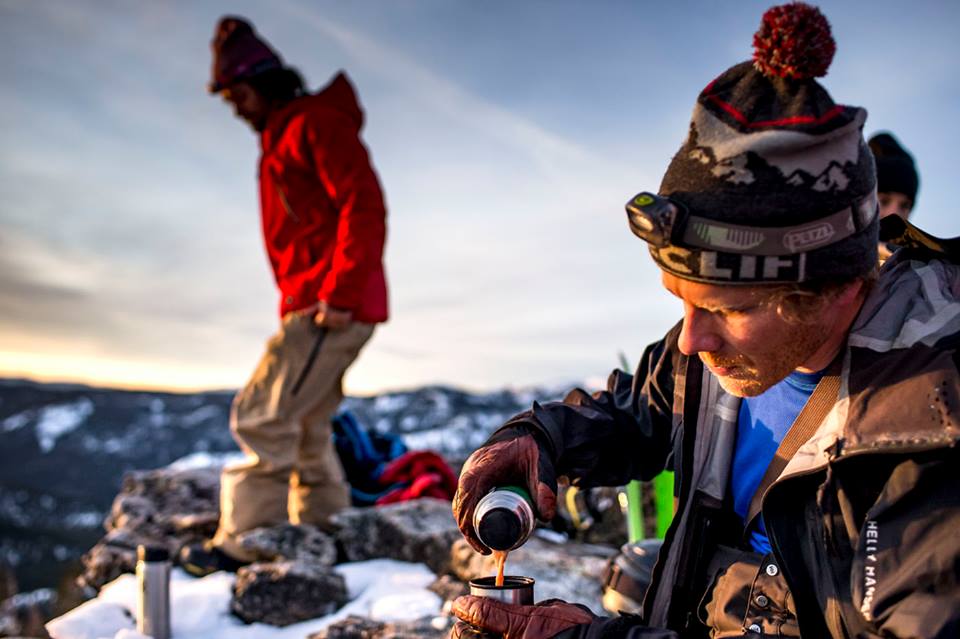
<point>851,293</point>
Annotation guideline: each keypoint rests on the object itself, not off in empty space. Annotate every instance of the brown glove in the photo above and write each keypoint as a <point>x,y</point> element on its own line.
<point>517,461</point>
<point>544,620</point>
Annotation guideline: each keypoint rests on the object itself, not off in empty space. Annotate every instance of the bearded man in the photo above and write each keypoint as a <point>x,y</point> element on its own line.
<point>809,405</point>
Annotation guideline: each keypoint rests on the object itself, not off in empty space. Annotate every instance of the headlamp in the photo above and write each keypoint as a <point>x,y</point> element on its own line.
<point>711,250</point>
<point>652,218</point>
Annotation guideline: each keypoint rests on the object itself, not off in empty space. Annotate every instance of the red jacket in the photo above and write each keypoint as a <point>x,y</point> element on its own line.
<point>321,206</point>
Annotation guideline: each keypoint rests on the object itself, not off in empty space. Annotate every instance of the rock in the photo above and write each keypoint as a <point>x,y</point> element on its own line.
<point>116,554</point>
<point>562,571</point>
<point>362,628</point>
<point>161,498</point>
<point>131,512</point>
<point>421,530</point>
<point>289,542</point>
<point>23,615</point>
<point>195,524</point>
<point>8,581</point>
<point>158,507</point>
<point>285,592</point>
<point>448,588</point>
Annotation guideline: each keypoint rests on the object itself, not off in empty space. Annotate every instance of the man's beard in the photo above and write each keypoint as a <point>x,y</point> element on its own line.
<point>754,375</point>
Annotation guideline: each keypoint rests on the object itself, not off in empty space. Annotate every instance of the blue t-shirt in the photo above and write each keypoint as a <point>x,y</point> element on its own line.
<point>763,422</point>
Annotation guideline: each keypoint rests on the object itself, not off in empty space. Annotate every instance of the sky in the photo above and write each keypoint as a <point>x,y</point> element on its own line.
<point>507,137</point>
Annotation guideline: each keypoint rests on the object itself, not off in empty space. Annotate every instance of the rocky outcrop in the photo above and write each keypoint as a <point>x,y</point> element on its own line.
<point>303,543</point>
<point>420,531</point>
<point>158,507</point>
<point>285,592</point>
<point>23,614</point>
<point>294,577</point>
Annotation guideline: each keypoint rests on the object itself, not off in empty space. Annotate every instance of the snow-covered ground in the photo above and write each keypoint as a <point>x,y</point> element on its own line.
<point>380,589</point>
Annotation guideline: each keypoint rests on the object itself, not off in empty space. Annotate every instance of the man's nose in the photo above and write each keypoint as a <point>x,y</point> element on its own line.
<point>698,334</point>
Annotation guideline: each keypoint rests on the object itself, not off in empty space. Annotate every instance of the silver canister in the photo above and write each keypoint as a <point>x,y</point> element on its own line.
<point>504,518</point>
<point>515,590</point>
<point>153,601</point>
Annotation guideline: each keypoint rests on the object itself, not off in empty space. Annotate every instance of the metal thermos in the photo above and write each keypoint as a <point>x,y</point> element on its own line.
<point>153,603</point>
<point>504,518</point>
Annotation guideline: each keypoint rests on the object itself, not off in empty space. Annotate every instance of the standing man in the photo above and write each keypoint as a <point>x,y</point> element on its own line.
<point>809,405</point>
<point>323,221</point>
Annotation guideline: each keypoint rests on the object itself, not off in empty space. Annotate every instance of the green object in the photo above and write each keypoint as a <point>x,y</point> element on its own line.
<point>518,490</point>
<point>663,498</point>
<point>662,490</point>
<point>634,511</point>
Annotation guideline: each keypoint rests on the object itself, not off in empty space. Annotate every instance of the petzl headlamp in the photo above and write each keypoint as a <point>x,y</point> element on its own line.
<point>652,218</point>
<point>709,250</point>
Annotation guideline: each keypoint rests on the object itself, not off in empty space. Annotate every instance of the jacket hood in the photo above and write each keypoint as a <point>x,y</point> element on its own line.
<point>913,303</point>
<point>899,386</point>
<point>338,95</point>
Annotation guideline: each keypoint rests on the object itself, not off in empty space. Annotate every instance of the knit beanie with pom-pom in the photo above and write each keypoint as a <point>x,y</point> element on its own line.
<point>774,182</point>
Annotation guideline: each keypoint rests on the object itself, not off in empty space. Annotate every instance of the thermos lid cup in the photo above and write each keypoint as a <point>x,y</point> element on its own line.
<point>152,553</point>
<point>515,589</point>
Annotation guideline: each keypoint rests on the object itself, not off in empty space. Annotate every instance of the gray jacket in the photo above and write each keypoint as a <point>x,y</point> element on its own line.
<point>863,520</point>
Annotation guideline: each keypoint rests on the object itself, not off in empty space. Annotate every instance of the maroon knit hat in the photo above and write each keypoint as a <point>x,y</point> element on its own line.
<point>238,53</point>
<point>774,182</point>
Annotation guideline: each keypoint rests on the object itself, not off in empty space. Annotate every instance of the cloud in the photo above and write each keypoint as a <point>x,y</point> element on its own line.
<point>551,151</point>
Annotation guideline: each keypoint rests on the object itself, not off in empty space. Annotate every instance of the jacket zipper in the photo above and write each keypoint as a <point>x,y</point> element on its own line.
<point>286,205</point>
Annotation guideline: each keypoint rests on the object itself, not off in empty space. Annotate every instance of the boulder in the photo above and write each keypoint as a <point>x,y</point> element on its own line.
<point>420,531</point>
<point>286,592</point>
<point>116,554</point>
<point>23,614</point>
<point>293,543</point>
<point>362,628</point>
<point>167,500</point>
<point>448,588</point>
<point>162,507</point>
<point>8,581</point>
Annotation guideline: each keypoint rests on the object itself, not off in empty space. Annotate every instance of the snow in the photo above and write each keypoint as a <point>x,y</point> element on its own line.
<point>57,421</point>
<point>15,422</point>
<point>391,403</point>
<point>425,440</point>
<point>201,415</point>
<point>33,598</point>
<point>381,589</point>
<point>85,519</point>
<point>206,460</point>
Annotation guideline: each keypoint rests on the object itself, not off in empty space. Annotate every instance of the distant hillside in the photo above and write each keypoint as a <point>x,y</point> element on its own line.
<point>64,449</point>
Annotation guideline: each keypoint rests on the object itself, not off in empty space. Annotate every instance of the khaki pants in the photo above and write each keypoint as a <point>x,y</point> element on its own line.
<point>281,420</point>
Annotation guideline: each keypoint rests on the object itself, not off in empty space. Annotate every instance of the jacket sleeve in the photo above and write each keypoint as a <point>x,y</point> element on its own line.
<point>616,435</point>
<point>906,571</point>
<point>344,168</point>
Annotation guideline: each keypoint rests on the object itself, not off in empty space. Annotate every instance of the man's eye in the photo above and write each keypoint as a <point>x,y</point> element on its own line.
<point>738,311</point>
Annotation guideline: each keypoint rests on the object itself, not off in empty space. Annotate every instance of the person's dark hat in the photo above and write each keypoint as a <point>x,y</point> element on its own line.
<point>896,170</point>
<point>239,53</point>
<point>774,182</point>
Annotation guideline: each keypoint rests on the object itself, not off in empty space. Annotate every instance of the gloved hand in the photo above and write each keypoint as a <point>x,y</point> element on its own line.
<point>544,620</point>
<point>517,461</point>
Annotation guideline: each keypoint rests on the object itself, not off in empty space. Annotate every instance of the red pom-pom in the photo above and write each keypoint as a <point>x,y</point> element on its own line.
<point>794,41</point>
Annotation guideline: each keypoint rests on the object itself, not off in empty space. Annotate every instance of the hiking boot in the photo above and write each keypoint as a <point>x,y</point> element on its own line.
<point>202,560</point>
